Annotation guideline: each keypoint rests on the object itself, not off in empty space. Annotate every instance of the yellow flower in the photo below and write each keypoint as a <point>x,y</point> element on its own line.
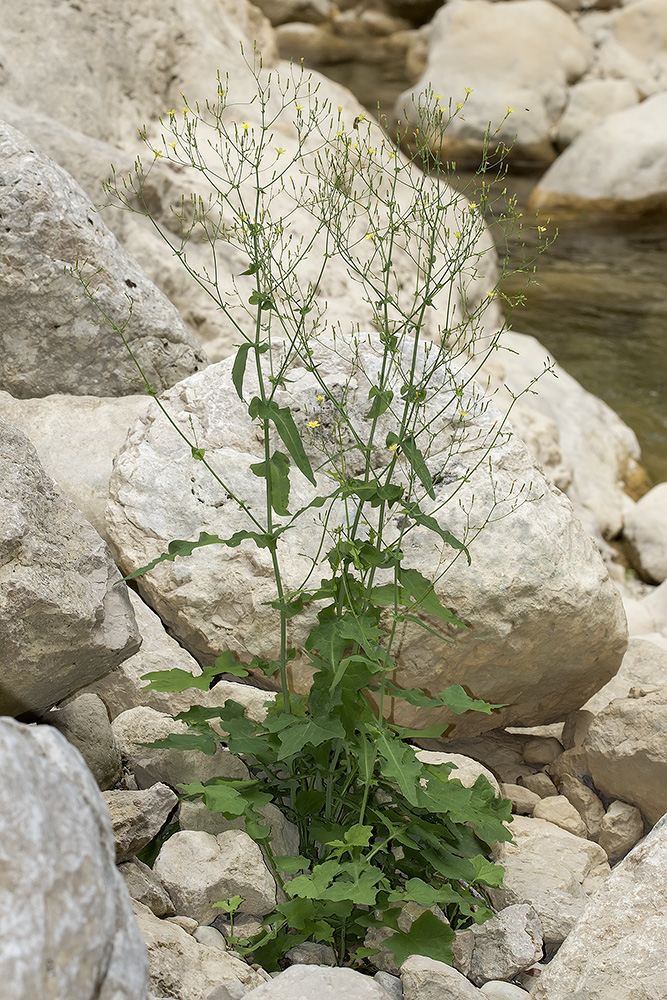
<point>319,398</point>
<point>509,110</point>
<point>172,145</point>
<point>463,413</point>
<point>245,126</point>
<point>340,108</point>
<point>472,205</point>
<point>459,105</point>
<point>458,236</point>
<point>541,229</point>
<point>393,447</point>
<point>172,111</point>
<point>299,107</point>
<point>185,110</point>
<point>156,153</point>
<point>313,423</point>
<point>469,91</point>
<point>370,236</point>
<point>279,151</point>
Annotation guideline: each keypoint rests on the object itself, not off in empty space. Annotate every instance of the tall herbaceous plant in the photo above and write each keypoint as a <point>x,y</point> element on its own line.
<point>369,432</point>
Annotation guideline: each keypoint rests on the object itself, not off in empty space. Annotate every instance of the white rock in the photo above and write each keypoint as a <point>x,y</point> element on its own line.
<point>171,766</point>
<point>124,687</point>
<point>466,770</point>
<point>52,337</point>
<point>63,620</point>
<point>425,979</point>
<point>621,828</point>
<point>600,452</point>
<point>588,102</point>
<point>84,723</point>
<point>644,664</point>
<point>309,981</point>
<point>498,990</point>
<point>284,835</point>
<point>619,946</point>
<point>182,967</point>
<point>559,810</point>
<point>198,869</point>
<point>505,944</point>
<point>618,165</point>
<point>210,937</point>
<point>522,799</point>
<point>217,599</point>
<point>648,616</point>
<point>552,870</point>
<point>539,783</point>
<point>521,54</point>
<point>65,916</point>
<point>626,749</point>
<point>76,439</point>
<point>138,816</point>
<point>645,529</point>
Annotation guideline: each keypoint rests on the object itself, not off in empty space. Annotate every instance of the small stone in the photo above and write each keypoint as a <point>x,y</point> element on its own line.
<point>392,985</point>
<point>144,885</point>
<point>311,953</point>
<point>210,937</point>
<point>316,982</point>
<point>522,799</point>
<point>425,979</point>
<point>198,870</point>
<point>539,783</point>
<point>84,722</point>
<point>138,816</point>
<point>542,750</point>
<point>575,728</point>
<point>188,924</point>
<point>506,944</point>
<point>499,990</point>
<point>231,990</point>
<point>585,801</point>
<point>621,828</point>
<point>559,810</point>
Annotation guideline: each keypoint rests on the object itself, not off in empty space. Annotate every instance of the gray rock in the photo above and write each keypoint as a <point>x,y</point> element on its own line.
<point>65,916</point>
<point>392,985</point>
<point>619,947</point>
<point>284,835</point>
<point>198,869</point>
<point>498,990</point>
<point>586,635</point>
<point>182,967</point>
<point>522,799</point>
<point>314,981</point>
<point>621,828</point>
<point>174,767</point>
<point>426,979</point>
<point>138,816</point>
<point>63,620</point>
<point>53,339</point>
<point>552,870</point>
<point>211,937</point>
<point>311,953</point>
<point>84,722</point>
<point>542,751</point>
<point>577,723</point>
<point>506,944</point>
<point>626,749</point>
<point>645,529</point>
<point>585,801</point>
<point>144,886</point>
<point>228,991</point>
<point>540,783</point>
<point>644,663</point>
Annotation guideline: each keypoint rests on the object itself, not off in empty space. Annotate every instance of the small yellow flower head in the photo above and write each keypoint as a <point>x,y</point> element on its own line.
<point>472,205</point>
<point>509,110</point>
<point>319,398</point>
<point>372,151</point>
<point>172,145</point>
<point>391,156</point>
<point>340,109</point>
<point>156,153</point>
<point>245,126</point>
<point>438,97</point>
<point>459,105</point>
<point>370,236</point>
<point>393,447</point>
<point>313,423</point>
<point>469,91</point>
<point>541,229</point>
<point>172,112</point>
<point>457,235</point>
<point>491,294</point>
<point>185,110</point>
<point>299,107</point>
<point>279,151</point>
<point>462,413</point>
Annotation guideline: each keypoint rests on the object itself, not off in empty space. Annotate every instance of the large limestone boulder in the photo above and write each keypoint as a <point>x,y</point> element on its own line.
<point>619,165</point>
<point>619,946</point>
<point>520,55</point>
<point>588,102</point>
<point>644,665</point>
<point>76,439</point>
<point>626,750</point>
<point>52,338</point>
<point>557,634</point>
<point>631,44</point>
<point>66,925</point>
<point>596,454</point>
<point>64,622</point>
<point>552,870</point>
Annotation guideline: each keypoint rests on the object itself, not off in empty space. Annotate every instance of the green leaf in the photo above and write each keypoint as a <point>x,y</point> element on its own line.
<point>180,547</point>
<point>357,836</point>
<point>291,864</point>
<point>308,732</point>
<point>241,360</point>
<point>312,886</point>
<point>198,454</point>
<point>382,399</point>
<point>186,741</point>
<point>177,679</point>
<point>459,701</point>
<point>227,663</point>
<point>278,475</point>
<point>428,936</point>
<point>284,422</point>
<point>361,889</point>
<point>417,890</point>
<point>230,905</point>
<point>413,510</point>
<point>400,765</point>
<point>416,460</point>
<point>261,299</point>
<point>422,593</point>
